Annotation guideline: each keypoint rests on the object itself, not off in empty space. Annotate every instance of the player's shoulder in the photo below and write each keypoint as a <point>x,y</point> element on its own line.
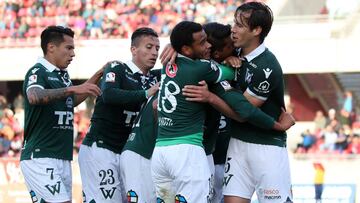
<point>115,65</point>
<point>36,69</point>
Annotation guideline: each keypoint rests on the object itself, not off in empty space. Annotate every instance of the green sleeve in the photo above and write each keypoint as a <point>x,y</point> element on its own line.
<point>237,101</point>
<point>227,72</point>
<point>112,90</point>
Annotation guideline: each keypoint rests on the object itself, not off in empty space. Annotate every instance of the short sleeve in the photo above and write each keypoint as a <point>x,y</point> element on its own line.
<point>36,77</point>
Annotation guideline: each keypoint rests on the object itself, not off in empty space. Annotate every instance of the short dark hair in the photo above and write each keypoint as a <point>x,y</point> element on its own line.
<point>260,15</point>
<point>216,35</point>
<point>54,34</point>
<point>141,32</point>
<point>182,34</point>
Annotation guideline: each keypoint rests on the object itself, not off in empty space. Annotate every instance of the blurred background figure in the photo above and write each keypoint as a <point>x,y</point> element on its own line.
<point>319,180</point>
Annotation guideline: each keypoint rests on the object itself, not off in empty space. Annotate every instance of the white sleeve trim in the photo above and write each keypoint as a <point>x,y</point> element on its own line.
<point>220,75</point>
<point>34,86</point>
<point>256,96</point>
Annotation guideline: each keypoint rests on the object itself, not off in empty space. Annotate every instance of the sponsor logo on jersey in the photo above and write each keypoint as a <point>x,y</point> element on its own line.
<point>53,79</point>
<point>131,137</point>
<point>171,70</point>
<point>69,102</point>
<point>248,76</point>
<point>110,77</point>
<point>163,121</point>
<point>180,199</point>
<point>132,197</point>
<point>32,79</point>
<point>269,194</point>
<point>264,87</point>
<point>267,72</point>
<point>226,85</point>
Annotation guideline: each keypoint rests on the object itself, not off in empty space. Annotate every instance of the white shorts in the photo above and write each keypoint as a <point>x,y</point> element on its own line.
<point>182,170</point>
<point>100,174</point>
<point>48,179</point>
<point>135,173</point>
<point>218,183</point>
<point>210,159</point>
<point>263,169</point>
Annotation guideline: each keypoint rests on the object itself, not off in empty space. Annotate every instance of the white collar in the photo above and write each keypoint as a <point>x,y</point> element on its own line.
<point>182,56</point>
<point>256,52</point>
<point>133,67</point>
<point>49,66</point>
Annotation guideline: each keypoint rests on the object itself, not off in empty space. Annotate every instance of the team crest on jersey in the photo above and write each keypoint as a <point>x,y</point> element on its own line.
<point>32,79</point>
<point>248,76</point>
<point>171,70</point>
<point>132,197</point>
<point>110,77</point>
<point>69,102</point>
<point>33,197</point>
<point>264,86</point>
<point>214,66</point>
<point>180,199</point>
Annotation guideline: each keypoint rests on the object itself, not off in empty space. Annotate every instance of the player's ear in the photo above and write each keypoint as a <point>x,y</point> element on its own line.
<point>51,47</point>
<point>133,50</point>
<point>256,31</point>
<point>187,50</point>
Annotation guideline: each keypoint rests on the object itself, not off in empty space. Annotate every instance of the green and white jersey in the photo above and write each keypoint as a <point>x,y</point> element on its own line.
<point>143,134</point>
<point>181,121</point>
<point>123,91</point>
<point>48,131</point>
<point>261,76</point>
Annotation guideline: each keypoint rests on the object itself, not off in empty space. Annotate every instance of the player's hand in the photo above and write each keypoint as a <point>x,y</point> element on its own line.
<point>286,120</point>
<point>233,61</point>
<point>152,90</point>
<point>85,88</point>
<point>168,55</point>
<point>197,93</point>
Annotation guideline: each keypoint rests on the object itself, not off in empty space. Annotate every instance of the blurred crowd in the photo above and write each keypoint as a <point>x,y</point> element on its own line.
<point>12,125</point>
<point>337,133</point>
<point>97,19</point>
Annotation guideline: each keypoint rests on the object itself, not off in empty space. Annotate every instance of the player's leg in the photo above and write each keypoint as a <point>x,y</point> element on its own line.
<point>133,168</point>
<point>238,183</point>
<point>100,174</point>
<point>160,176</point>
<point>270,168</point>
<point>191,172</point>
<point>218,182</point>
<point>47,179</point>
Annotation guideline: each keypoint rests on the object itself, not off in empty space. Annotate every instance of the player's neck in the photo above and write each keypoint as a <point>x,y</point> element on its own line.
<point>143,69</point>
<point>51,60</point>
<point>248,49</point>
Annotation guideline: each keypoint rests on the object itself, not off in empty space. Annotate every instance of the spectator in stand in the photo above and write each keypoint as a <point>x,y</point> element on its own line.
<point>330,137</point>
<point>307,142</point>
<point>354,146</point>
<point>319,121</point>
<point>347,108</point>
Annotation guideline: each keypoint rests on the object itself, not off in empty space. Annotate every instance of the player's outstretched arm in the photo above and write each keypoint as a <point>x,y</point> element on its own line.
<point>39,96</point>
<point>202,94</point>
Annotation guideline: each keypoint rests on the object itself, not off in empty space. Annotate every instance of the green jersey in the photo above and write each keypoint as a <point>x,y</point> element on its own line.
<point>48,130</point>
<point>211,126</point>
<point>143,134</point>
<point>261,76</point>
<point>222,140</point>
<point>181,121</point>
<point>123,91</point>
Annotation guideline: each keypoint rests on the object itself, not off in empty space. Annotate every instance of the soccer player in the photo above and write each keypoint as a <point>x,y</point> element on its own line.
<point>179,160</point>
<point>263,166</point>
<point>50,98</point>
<point>125,87</point>
<point>135,164</point>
